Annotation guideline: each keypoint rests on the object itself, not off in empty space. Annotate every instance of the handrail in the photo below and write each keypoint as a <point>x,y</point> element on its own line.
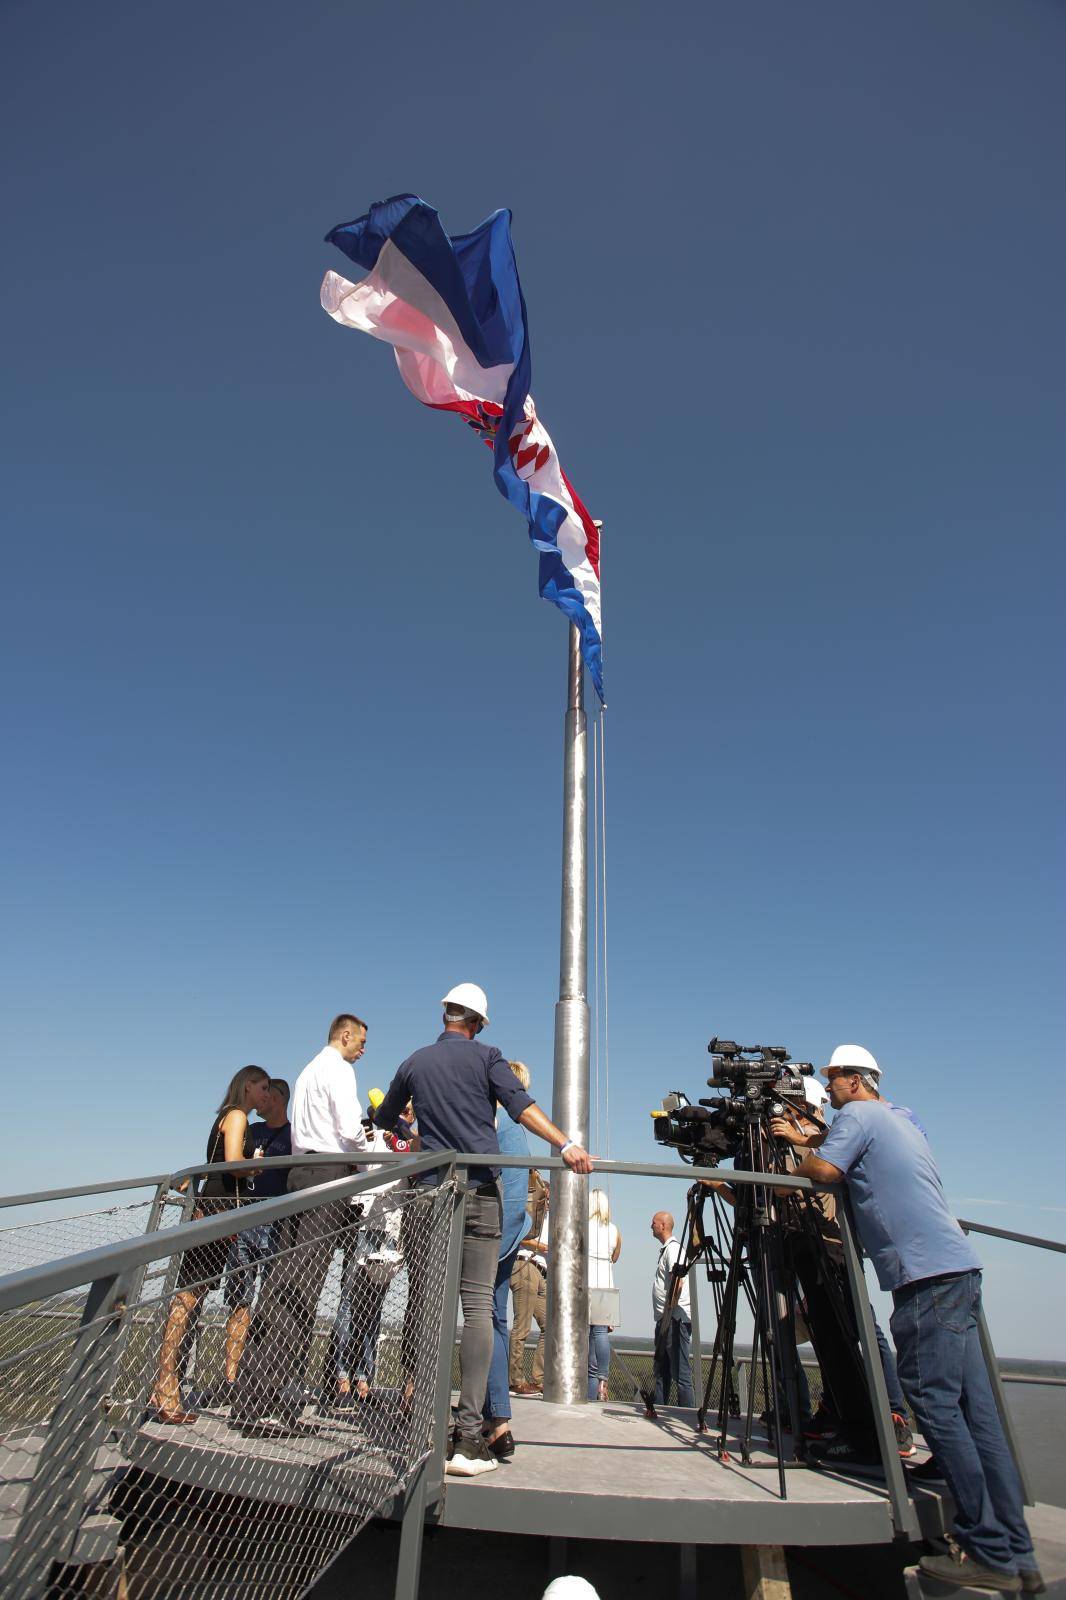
<point>33,1197</point>
<point>33,1283</point>
<point>109,1261</point>
<point>361,1157</point>
<point>1017,1238</point>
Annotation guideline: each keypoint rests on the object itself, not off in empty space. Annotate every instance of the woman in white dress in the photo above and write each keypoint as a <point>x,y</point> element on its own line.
<point>605,1246</point>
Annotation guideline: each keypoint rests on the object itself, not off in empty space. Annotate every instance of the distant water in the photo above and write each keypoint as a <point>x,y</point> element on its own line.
<point>1019,1365</point>
<point>1039,1413</point>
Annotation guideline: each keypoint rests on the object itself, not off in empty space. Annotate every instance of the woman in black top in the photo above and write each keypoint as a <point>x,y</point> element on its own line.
<point>202,1268</point>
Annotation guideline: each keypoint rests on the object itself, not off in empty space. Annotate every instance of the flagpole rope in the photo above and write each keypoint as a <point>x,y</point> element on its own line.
<point>603,902</point>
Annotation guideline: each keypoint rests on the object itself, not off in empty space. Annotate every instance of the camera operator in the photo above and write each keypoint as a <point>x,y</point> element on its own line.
<point>814,1255</point>
<point>924,1259</point>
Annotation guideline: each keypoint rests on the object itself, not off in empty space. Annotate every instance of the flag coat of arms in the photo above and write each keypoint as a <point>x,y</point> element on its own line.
<point>452,308</point>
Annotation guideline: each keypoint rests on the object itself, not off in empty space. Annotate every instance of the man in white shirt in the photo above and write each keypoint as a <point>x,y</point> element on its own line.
<point>327,1117</point>
<point>673,1328</point>
<point>327,1121</point>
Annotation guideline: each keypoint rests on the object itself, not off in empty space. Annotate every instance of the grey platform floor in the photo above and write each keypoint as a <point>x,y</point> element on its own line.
<point>338,1465</point>
<point>606,1472</point>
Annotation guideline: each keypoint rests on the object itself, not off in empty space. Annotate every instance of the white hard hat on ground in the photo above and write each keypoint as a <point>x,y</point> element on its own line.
<point>471,997</point>
<point>853,1058</point>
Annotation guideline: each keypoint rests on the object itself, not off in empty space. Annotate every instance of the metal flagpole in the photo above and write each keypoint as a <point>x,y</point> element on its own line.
<point>567,1334</point>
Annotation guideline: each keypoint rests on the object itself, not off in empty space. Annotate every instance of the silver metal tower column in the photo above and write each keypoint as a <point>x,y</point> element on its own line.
<point>566,1340</point>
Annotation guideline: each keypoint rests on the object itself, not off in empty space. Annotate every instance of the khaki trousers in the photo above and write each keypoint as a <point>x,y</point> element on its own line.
<point>529,1290</point>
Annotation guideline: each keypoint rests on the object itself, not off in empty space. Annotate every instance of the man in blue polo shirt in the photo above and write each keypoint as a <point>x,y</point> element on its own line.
<point>456,1085</point>
<point>923,1257</point>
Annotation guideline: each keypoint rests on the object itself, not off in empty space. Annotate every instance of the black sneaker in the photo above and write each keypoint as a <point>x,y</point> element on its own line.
<point>470,1458</point>
<point>840,1455</point>
<point>1032,1580</point>
<point>956,1567</point>
<point>823,1425</point>
<point>925,1472</point>
<point>502,1447</point>
<point>904,1436</point>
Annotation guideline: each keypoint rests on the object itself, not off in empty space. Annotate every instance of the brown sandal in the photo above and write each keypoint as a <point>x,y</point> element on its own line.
<point>177,1419</point>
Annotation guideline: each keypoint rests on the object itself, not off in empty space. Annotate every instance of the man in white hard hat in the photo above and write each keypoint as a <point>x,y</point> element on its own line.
<point>456,1085</point>
<point>924,1259</point>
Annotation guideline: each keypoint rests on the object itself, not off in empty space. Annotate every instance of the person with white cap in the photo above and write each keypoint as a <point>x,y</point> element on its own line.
<point>923,1258</point>
<point>855,1058</point>
<point>456,1085</point>
<point>846,1433</point>
<point>845,1415</point>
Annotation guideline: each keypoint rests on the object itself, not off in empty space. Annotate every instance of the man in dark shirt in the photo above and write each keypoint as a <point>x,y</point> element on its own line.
<point>456,1085</point>
<point>272,1137</point>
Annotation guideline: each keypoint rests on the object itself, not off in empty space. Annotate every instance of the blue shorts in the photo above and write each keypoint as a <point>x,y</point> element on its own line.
<point>249,1251</point>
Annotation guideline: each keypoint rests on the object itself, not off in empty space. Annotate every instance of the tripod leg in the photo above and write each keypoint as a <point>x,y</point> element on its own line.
<point>725,1306</point>
<point>770,1346</point>
<point>726,1334</point>
<point>758,1359</point>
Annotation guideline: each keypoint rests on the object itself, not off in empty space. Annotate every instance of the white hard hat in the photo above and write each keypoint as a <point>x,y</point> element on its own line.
<point>814,1092</point>
<point>470,997</point>
<point>853,1058</point>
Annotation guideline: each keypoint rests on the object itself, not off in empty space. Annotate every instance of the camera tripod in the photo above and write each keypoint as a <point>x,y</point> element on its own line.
<point>745,1254</point>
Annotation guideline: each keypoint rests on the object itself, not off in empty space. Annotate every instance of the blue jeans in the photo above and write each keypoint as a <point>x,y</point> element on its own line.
<point>599,1357</point>
<point>942,1370</point>
<point>673,1367</point>
<point>498,1395</point>
<point>357,1325</point>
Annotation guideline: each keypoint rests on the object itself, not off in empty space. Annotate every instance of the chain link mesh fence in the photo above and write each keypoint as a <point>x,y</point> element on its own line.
<point>234,1416</point>
<point>40,1240</point>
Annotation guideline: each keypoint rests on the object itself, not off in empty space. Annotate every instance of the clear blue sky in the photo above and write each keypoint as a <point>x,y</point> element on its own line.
<point>282,713</point>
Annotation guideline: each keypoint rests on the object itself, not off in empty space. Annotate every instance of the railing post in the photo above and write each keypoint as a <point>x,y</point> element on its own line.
<point>904,1517</point>
<point>425,1485</point>
<point>992,1367</point>
<point>412,1528</point>
<point>135,1407</point>
<point>442,1407</point>
<point>48,1528</point>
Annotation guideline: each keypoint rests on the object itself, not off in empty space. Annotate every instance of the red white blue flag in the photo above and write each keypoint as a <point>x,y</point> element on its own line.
<point>452,308</point>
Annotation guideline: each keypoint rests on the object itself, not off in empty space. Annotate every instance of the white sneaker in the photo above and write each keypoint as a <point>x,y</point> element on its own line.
<point>470,1458</point>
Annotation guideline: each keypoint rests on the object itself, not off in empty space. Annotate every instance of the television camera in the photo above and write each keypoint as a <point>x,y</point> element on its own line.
<point>759,1078</point>
<point>771,1249</point>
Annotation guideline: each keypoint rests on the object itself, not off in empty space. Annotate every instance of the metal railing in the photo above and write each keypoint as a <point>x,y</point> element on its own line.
<point>97,1450</point>
<point>88,1343</point>
<point>1015,1238</point>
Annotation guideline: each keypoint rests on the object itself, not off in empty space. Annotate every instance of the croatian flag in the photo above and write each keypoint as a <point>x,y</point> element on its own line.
<point>453,310</point>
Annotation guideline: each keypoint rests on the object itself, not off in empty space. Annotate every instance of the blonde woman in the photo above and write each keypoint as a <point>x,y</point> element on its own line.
<point>202,1268</point>
<point>605,1246</point>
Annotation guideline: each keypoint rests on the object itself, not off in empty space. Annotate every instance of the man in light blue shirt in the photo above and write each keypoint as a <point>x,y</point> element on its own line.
<point>923,1257</point>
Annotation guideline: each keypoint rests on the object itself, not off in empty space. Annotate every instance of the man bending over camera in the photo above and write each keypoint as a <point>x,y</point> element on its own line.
<point>923,1257</point>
